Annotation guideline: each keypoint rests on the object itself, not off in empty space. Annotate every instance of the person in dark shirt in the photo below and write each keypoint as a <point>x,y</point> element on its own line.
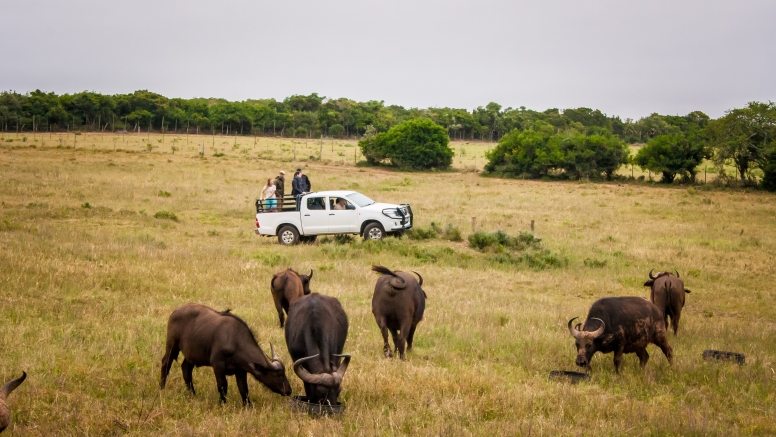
<point>308,186</point>
<point>280,181</point>
<point>298,186</point>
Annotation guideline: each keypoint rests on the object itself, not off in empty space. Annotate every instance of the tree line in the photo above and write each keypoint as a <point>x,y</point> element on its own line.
<point>574,143</point>
<point>300,116</point>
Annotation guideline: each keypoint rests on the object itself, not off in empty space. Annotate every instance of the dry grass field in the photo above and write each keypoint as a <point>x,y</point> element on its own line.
<point>89,275</point>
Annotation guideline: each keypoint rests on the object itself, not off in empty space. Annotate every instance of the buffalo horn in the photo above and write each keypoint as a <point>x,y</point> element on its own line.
<point>650,274</point>
<point>274,354</point>
<point>275,362</point>
<point>573,331</point>
<point>343,366</point>
<point>600,330</point>
<point>311,274</point>
<point>677,273</point>
<point>420,278</point>
<point>327,379</point>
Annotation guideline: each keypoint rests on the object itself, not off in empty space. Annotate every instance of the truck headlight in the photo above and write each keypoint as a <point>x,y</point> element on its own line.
<point>392,213</point>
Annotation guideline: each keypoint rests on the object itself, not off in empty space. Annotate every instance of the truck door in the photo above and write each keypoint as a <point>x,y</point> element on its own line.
<point>343,217</point>
<point>315,215</point>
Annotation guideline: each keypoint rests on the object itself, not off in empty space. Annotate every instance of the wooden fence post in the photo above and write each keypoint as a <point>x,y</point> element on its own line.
<point>532,226</point>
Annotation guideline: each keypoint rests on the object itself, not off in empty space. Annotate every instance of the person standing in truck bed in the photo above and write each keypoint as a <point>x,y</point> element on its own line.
<point>280,181</point>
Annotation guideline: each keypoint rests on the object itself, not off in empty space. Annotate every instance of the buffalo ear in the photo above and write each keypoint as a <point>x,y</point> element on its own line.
<point>649,283</point>
<point>686,290</point>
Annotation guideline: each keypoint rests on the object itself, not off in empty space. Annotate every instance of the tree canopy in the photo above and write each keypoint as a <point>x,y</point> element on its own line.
<point>412,145</point>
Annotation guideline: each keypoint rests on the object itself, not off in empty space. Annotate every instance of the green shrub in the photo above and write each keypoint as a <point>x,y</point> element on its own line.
<point>672,155</point>
<point>769,170</point>
<point>452,233</point>
<point>163,193</point>
<point>270,259</point>
<point>417,144</point>
<point>594,263</point>
<point>419,233</point>
<point>541,151</point>
<point>168,215</point>
<point>336,131</point>
<point>500,240</point>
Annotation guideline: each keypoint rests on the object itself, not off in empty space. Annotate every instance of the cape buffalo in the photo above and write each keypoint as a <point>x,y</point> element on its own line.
<point>5,413</point>
<point>288,286</point>
<point>668,295</point>
<point>225,342</point>
<point>315,334</point>
<point>398,304</point>
<point>620,325</point>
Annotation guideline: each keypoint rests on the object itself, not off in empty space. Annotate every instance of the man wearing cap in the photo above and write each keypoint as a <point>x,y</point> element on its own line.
<point>280,180</point>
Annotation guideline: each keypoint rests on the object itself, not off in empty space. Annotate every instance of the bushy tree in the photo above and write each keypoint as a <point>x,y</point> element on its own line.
<point>336,131</point>
<point>588,156</point>
<point>301,132</point>
<point>539,151</point>
<point>412,145</point>
<point>526,154</point>
<point>769,169</point>
<point>744,136</point>
<point>672,155</point>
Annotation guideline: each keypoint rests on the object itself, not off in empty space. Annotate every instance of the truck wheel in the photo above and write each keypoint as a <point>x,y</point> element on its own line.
<point>288,236</point>
<point>374,232</point>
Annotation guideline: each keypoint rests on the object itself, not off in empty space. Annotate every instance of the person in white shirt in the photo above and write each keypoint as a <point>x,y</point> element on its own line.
<point>268,195</point>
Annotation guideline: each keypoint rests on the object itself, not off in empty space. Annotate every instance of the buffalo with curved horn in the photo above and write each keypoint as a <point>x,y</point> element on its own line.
<point>5,412</point>
<point>398,305</point>
<point>621,325</point>
<point>316,330</point>
<point>667,292</point>
<point>224,342</point>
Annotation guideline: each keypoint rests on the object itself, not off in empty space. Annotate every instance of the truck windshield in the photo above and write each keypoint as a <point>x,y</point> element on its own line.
<point>360,200</point>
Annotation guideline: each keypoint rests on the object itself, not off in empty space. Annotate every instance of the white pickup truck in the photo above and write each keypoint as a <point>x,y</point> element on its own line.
<point>330,212</point>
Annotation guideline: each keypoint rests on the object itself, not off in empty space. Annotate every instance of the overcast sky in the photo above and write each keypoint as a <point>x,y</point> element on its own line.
<point>626,58</point>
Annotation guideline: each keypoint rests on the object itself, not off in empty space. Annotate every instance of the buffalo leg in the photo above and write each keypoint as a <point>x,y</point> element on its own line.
<point>187,367</point>
<point>410,337</point>
<point>279,307</point>
<point>242,385</point>
<point>384,331</point>
<point>617,361</point>
<point>643,357</point>
<point>398,342</point>
<point>171,354</point>
<point>223,385</point>
<point>675,322</point>
<point>405,328</point>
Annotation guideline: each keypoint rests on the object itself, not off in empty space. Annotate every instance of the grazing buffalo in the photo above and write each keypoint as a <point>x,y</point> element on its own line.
<point>621,325</point>
<point>288,286</point>
<point>398,305</point>
<point>224,342</point>
<point>316,331</point>
<point>5,413</point>
<point>668,295</point>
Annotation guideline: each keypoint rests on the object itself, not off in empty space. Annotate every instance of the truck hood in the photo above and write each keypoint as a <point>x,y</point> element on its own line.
<point>380,206</point>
